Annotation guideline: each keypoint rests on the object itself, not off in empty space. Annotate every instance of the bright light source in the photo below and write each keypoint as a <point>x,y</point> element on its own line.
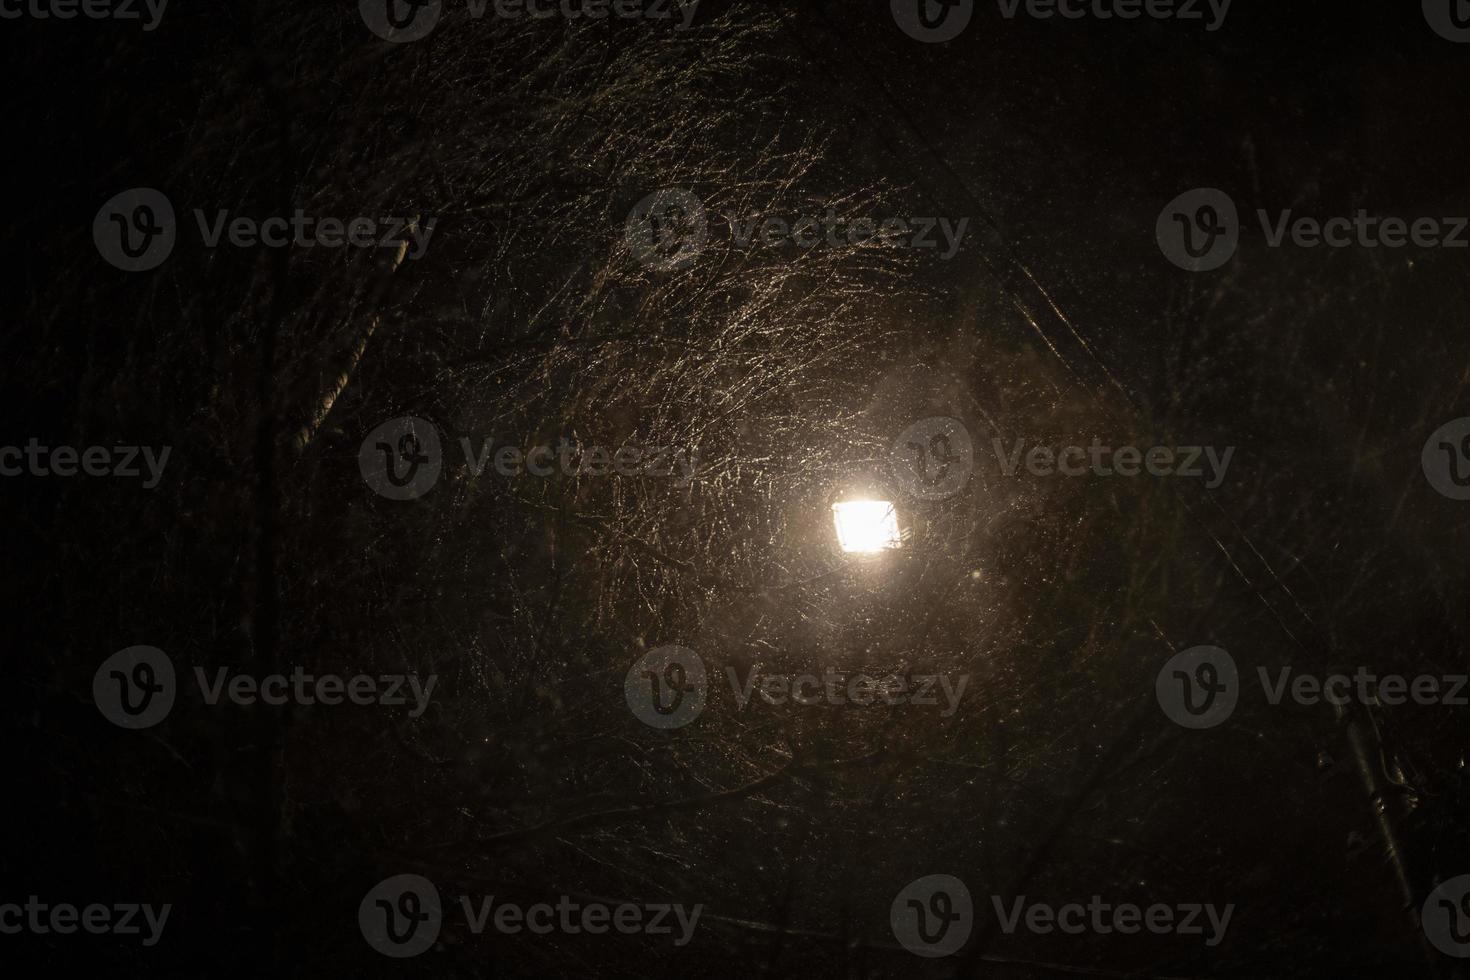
<point>866,526</point>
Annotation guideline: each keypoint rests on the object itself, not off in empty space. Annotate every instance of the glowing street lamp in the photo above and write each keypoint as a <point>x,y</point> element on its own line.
<point>866,527</point>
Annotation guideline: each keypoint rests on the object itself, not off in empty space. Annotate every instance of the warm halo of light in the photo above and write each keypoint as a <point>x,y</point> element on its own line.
<point>866,526</point>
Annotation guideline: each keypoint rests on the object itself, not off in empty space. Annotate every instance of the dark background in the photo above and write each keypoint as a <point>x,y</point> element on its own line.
<point>1058,779</point>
